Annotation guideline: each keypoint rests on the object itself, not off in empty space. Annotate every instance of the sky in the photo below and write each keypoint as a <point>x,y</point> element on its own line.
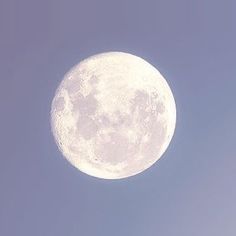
<point>190,190</point>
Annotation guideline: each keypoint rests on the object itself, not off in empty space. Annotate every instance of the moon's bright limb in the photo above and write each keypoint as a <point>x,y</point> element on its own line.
<point>113,115</point>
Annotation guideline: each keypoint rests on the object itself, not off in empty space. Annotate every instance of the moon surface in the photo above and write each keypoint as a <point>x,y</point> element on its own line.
<point>113,115</point>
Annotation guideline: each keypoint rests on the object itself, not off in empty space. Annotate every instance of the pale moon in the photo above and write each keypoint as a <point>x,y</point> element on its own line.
<point>113,115</point>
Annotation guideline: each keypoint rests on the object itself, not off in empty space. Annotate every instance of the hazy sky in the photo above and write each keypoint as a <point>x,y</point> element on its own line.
<point>190,190</point>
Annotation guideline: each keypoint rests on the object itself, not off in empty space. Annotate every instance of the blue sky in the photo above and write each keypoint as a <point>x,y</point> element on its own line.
<point>190,190</point>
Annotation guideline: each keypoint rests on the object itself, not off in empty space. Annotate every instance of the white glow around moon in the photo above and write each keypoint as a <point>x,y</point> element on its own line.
<point>113,115</point>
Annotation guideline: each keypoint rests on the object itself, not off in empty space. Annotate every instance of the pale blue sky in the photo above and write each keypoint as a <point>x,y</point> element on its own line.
<point>191,190</point>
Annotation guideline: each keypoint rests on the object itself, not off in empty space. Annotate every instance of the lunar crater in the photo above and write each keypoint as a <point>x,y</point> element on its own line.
<point>59,104</point>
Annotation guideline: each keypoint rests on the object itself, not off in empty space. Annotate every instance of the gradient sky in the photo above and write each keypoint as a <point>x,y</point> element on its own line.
<point>190,190</point>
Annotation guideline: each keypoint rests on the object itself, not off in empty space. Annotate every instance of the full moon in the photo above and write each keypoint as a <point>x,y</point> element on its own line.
<point>113,115</point>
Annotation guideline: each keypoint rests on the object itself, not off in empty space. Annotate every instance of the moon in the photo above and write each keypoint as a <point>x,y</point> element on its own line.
<point>113,115</point>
